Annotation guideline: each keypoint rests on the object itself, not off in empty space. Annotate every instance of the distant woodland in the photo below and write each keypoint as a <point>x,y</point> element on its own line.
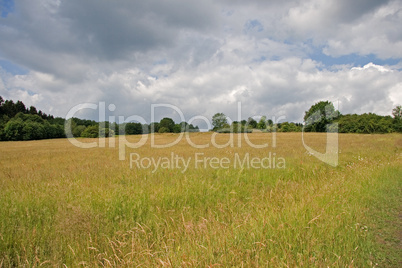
<point>18,123</point>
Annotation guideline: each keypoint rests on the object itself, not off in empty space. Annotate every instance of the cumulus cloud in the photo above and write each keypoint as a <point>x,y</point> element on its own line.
<point>204,57</point>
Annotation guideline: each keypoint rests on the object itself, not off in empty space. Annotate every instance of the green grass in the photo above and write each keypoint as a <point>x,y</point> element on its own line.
<point>83,207</point>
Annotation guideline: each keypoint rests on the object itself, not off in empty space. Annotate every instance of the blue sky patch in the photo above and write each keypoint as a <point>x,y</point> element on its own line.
<point>253,26</point>
<point>352,59</point>
<point>6,6</point>
<point>12,68</point>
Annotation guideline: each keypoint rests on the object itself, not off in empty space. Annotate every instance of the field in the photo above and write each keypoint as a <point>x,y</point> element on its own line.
<point>64,205</point>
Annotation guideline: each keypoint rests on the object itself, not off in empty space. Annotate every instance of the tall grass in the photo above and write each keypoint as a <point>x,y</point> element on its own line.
<point>62,205</point>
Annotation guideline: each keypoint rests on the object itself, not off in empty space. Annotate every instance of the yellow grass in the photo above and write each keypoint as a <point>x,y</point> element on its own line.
<point>60,204</point>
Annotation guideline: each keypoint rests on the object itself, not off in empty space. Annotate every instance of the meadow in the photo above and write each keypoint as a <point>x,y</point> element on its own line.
<point>64,206</point>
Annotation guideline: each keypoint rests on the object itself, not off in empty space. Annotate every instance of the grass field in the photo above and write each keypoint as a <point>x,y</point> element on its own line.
<point>63,205</point>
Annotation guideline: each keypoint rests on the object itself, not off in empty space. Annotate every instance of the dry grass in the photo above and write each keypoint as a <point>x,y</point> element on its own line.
<point>60,204</point>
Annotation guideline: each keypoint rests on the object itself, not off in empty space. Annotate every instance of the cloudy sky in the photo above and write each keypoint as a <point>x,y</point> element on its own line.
<point>275,57</point>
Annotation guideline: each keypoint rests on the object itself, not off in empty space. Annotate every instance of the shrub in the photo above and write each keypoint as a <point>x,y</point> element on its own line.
<point>91,132</point>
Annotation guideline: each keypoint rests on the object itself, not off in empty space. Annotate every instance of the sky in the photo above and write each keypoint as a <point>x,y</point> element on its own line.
<point>276,58</point>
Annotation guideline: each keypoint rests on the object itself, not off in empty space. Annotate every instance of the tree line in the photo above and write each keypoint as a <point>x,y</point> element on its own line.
<point>93,129</point>
<point>220,124</point>
<point>18,123</point>
<point>321,117</point>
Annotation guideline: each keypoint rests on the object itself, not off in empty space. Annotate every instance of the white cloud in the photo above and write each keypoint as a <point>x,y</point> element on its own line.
<point>203,57</point>
<point>373,67</point>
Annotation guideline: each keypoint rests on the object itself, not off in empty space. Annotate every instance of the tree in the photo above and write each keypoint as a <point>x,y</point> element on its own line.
<point>106,132</point>
<point>1,104</point>
<point>13,130</point>
<point>8,108</point>
<point>178,128</point>
<point>219,121</point>
<point>131,129</point>
<point>77,131</point>
<point>270,122</point>
<point>33,131</point>
<point>20,107</point>
<point>153,127</point>
<point>91,132</point>
<point>167,123</point>
<point>262,124</point>
<point>319,116</point>
<point>251,122</point>
<point>397,112</point>
<point>163,130</point>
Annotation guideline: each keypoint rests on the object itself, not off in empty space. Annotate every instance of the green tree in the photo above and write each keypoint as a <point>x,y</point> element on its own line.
<point>13,130</point>
<point>77,131</point>
<point>167,123</point>
<point>397,122</point>
<point>32,110</point>
<point>33,131</point>
<point>251,122</point>
<point>91,132</point>
<point>262,124</point>
<point>20,107</point>
<point>284,127</point>
<point>8,108</point>
<point>131,129</point>
<point>319,116</point>
<point>163,130</point>
<point>397,112</point>
<point>219,121</point>
<point>178,128</point>
<point>54,130</point>
<point>153,127</point>
<point>270,122</point>
<point>106,132</point>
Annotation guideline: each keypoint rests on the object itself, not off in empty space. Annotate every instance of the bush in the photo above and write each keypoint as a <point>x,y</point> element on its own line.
<point>164,130</point>
<point>13,131</point>
<point>91,132</point>
<point>77,131</point>
<point>106,132</point>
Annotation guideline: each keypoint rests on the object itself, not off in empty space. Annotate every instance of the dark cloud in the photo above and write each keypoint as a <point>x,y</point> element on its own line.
<point>348,11</point>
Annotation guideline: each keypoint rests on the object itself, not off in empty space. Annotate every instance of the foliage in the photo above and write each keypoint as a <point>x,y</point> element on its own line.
<point>163,130</point>
<point>319,116</point>
<point>106,132</point>
<point>236,127</point>
<point>366,123</point>
<point>262,124</point>
<point>131,129</point>
<point>19,123</point>
<point>153,127</point>
<point>177,128</point>
<point>219,121</point>
<point>167,123</point>
<point>251,122</point>
<point>30,127</point>
<point>77,130</point>
<point>397,112</point>
<point>91,132</point>
<point>289,127</point>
